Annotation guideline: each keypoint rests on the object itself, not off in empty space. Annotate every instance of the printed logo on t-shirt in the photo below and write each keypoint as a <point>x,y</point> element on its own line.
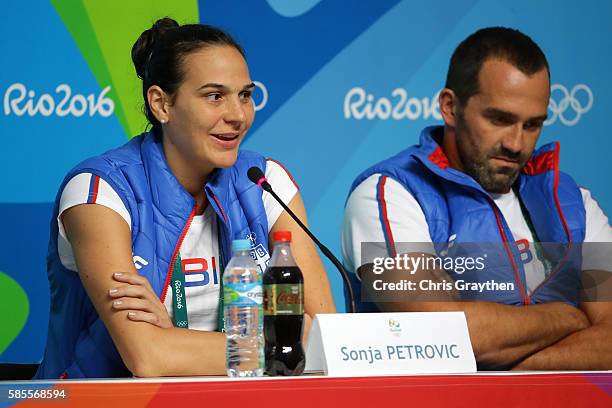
<point>534,260</point>
<point>524,250</point>
<point>523,246</point>
<point>200,272</point>
<point>259,253</point>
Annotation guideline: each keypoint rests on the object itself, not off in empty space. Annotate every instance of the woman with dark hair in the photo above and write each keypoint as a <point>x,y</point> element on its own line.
<point>170,200</point>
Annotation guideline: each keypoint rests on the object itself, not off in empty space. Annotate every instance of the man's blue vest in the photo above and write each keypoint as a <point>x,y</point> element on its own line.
<point>78,343</point>
<point>458,209</point>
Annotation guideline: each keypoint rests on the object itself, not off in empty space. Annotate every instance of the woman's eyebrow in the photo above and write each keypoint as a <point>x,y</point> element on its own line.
<point>213,85</point>
<point>225,88</point>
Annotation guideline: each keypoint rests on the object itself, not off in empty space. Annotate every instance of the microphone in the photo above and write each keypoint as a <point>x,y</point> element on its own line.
<point>257,176</point>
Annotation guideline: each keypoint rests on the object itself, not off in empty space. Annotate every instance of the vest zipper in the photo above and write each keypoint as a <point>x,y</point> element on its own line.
<point>563,221</point>
<point>553,272</point>
<point>524,298</point>
<point>176,251</point>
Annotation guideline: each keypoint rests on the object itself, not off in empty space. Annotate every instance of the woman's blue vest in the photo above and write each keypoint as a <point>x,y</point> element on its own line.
<point>78,343</point>
<point>457,209</point>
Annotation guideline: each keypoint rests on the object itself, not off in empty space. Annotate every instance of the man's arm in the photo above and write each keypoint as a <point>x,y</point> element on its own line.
<point>101,242</point>
<point>588,349</point>
<point>500,334</point>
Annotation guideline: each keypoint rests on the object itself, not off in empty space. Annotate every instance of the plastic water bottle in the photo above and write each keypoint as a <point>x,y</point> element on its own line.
<point>243,312</point>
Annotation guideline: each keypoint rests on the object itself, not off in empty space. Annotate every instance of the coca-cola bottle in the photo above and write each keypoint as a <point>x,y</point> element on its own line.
<point>283,310</point>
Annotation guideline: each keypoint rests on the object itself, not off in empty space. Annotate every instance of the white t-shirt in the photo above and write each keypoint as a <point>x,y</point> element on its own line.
<point>404,219</point>
<point>200,247</point>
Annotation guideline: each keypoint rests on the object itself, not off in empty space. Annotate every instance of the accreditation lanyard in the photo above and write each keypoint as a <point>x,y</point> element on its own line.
<point>220,314</point>
<point>540,253</point>
<point>179,299</point>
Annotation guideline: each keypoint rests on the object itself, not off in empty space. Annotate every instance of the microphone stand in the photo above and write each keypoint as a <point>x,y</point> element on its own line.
<point>323,248</point>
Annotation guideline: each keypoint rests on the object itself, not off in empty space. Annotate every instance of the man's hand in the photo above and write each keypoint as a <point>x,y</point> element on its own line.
<point>587,349</point>
<point>139,300</point>
<point>501,335</point>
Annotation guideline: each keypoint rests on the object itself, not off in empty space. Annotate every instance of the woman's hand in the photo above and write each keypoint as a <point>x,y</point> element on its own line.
<point>139,299</point>
<point>144,347</point>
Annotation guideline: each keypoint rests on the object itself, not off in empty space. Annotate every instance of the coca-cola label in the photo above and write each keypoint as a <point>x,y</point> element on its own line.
<point>284,299</point>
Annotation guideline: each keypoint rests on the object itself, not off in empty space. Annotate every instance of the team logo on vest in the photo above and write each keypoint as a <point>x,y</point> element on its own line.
<point>449,245</point>
<point>259,253</point>
<point>139,262</point>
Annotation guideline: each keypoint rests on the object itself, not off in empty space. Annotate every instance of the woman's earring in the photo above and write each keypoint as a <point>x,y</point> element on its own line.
<point>163,121</point>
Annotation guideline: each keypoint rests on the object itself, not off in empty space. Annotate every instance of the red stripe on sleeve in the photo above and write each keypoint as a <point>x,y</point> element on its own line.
<point>94,195</point>
<point>383,207</point>
<point>286,171</point>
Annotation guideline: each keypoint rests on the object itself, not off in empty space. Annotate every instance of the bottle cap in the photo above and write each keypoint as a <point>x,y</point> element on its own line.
<point>241,245</point>
<point>282,236</point>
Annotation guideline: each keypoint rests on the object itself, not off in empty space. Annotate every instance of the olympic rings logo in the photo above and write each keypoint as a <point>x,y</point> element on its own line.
<point>579,101</point>
<point>264,96</point>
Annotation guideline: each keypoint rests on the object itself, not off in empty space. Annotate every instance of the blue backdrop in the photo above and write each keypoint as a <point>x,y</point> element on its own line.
<point>342,85</point>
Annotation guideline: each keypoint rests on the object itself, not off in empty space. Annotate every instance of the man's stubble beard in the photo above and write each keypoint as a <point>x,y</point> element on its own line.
<point>476,164</point>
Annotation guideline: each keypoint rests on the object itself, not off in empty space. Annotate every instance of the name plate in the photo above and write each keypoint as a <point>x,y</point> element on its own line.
<point>389,343</point>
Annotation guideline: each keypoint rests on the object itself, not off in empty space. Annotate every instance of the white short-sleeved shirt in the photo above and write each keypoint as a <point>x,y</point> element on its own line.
<point>381,198</point>
<point>199,250</point>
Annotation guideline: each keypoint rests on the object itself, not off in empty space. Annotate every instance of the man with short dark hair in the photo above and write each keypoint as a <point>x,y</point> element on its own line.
<point>479,179</point>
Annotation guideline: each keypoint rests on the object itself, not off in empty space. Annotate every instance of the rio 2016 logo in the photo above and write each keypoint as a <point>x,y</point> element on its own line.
<point>567,106</point>
<point>20,101</point>
<point>359,104</point>
<point>394,327</point>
